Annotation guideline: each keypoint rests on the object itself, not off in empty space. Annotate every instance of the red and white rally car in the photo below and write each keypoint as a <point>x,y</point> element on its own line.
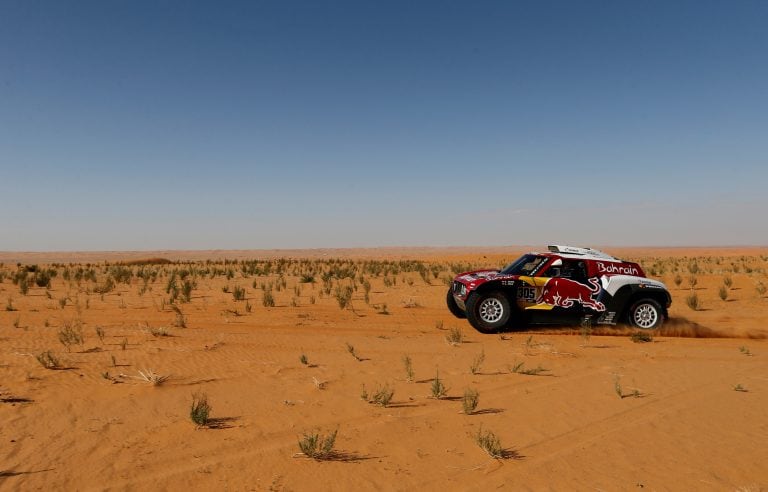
<point>566,285</point>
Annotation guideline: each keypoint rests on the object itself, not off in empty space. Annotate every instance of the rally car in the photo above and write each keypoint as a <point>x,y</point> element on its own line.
<point>565,285</point>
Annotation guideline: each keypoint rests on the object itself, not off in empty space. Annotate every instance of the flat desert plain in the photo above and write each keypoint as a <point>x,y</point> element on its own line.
<point>102,355</point>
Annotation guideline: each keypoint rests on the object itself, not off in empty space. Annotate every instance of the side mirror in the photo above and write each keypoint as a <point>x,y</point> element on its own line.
<point>558,262</point>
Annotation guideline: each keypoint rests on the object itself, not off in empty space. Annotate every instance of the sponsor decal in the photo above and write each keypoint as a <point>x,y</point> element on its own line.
<point>619,268</point>
<point>564,292</point>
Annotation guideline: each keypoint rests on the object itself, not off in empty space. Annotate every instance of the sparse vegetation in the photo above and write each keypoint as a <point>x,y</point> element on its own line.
<point>454,337</point>
<point>238,294</point>
<point>692,301</point>
<point>477,362</point>
<point>408,364</point>
<point>71,333</point>
<point>316,446</point>
<point>200,410</point>
<point>722,292</point>
<point>437,387</point>
<point>351,350</point>
<point>760,288</point>
<point>151,377</point>
<point>490,443</point>
<point>179,321</point>
<point>159,331</point>
<point>268,300</point>
<point>641,337</point>
<point>382,396</point>
<point>343,296</point>
<point>470,400</point>
<point>48,360</point>
<point>678,280</point>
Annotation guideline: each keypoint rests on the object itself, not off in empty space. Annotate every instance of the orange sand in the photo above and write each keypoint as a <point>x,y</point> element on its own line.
<point>566,429</point>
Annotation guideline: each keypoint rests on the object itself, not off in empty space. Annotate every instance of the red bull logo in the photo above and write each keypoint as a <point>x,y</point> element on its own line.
<point>563,292</point>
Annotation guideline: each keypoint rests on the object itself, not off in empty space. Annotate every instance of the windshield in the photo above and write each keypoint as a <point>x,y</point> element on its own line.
<point>525,265</point>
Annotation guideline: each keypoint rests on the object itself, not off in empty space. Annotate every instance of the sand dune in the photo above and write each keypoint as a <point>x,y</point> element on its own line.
<point>593,413</point>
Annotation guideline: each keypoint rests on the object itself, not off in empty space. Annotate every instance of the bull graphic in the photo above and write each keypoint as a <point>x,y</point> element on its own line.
<point>563,292</point>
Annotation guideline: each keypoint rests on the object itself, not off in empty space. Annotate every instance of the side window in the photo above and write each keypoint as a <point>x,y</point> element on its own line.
<point>573,269</point>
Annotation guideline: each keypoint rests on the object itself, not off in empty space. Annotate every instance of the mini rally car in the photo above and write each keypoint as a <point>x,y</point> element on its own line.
<point>566,285</point>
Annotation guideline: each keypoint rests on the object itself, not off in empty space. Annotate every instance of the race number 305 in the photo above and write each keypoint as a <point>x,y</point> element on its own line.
<point>526,293</point>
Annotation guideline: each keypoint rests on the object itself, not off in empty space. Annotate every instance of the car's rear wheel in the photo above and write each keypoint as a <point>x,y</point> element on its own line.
<point>453,307</point>
<point>646,314</point>
<point>488,312</point>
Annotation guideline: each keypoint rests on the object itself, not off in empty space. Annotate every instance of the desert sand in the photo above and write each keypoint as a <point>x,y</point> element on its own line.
<point>595,410</point>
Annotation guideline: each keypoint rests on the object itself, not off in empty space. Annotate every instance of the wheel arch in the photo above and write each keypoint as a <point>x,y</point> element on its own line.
<point>629,294</point>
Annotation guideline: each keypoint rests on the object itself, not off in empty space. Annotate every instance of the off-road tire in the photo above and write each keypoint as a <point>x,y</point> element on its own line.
<point>453,307</point>
<point>488,312</point>
<point>645,314</point>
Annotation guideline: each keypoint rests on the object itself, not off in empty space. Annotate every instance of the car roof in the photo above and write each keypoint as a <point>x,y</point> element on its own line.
<point>576,253</point>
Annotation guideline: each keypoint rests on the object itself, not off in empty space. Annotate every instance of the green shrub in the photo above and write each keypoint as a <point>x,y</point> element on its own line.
<point>316,446</point>
<point>200,410</point>
<point>470,400</point>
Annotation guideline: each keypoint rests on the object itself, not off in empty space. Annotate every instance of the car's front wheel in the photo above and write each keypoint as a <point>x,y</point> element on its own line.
<point>488,312</point>
<point>646,314</point>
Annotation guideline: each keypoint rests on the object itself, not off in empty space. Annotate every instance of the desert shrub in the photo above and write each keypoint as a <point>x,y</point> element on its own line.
<point>200,410</point>
<point>728,281</point>
<point>23,286</point>
<point>48,360</point>
<point>470,400</point>
<point>307,279</point>
<point>316,446</point>
<point>692,281</point>
<point>678,280</point>
<point>640,337</point>
<point>151,377</point>
<point>71,333</point>
<point>408,364</point>
<point>477,362</point>
<point>437,387</point>
<point>121,274</point>
<point>760,289</point>
<point>351,350</point>
<point>106,287</point>
<point>179,321</point>
<point>268,300</point>
<point>490,443</point>
<point>100,333</point>
<point>43,278</point>
<point>160,331</point>
<point>238,293</point>
<point>617,386</point>
<point>692,301</point>
<point>454,336</point>
<point>186,290</point>
<point>382,396</point>
<point>723,292</point>
<point>343,296</point>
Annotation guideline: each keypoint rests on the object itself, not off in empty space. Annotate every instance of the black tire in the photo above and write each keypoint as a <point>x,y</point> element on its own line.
<point>453,307</point>
<point>488,312</point>
<point>645,314</point>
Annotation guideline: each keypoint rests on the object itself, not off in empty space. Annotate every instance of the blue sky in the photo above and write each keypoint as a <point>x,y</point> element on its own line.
<point>196,125</point>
